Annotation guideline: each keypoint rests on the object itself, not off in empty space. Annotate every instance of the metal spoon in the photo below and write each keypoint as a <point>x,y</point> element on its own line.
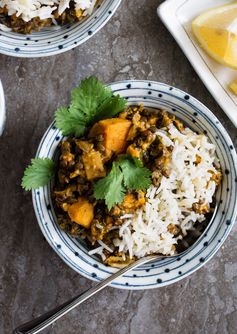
<point>37,325</point>
<point>43,321</point>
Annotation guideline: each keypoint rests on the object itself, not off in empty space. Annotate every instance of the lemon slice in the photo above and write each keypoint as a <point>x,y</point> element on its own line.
<point>233,86</point>
<point>216,31</point>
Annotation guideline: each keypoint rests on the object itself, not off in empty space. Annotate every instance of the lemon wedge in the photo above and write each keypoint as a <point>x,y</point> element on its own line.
<point>216,31</point>
<point>233,86</point>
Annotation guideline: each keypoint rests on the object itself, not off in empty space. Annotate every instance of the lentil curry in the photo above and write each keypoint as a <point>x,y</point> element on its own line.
<point>17,24</point>
<point>82,161</point>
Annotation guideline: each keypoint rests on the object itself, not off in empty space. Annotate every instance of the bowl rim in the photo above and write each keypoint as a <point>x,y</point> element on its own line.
<point>226,138</point>
<point>109,6</point>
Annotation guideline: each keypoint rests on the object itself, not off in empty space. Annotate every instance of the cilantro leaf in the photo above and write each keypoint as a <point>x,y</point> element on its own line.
<point>136,176</point>
<point>126,174</point>
<point>111,188</point>
<point>69,122</point>
<point>90,102</point>
<point>110,107</point>
<point>89,95</point>
<point>38,174</point>
<point>137,162</point>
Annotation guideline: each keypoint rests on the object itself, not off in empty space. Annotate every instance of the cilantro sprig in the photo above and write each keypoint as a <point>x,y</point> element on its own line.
<point>38,173</point>
<point>136,176</point>
<point>90,102</point>
<point>126,174</point>
<point>111,188</point>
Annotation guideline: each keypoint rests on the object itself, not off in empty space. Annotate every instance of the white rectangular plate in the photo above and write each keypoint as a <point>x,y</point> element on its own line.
<point>177,15</point>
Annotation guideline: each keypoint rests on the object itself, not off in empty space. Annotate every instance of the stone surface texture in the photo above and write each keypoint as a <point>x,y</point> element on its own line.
<point>133,45</point>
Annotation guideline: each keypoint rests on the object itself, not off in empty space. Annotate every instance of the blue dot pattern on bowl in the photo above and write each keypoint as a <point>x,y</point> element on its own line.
<point>167,271</point>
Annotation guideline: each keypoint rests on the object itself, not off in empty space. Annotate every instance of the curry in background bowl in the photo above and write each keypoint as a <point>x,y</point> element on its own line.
<point>25,17</point>
<point>45,28</point>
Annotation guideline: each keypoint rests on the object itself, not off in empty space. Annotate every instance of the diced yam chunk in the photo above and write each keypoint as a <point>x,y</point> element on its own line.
<point>114,132</point>
<point>93,165</point>
<point>133,151</point>
<point>81,212</point>
<point>133,201</point>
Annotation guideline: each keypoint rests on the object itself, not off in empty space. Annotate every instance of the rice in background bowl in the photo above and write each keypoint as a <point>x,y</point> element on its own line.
<point>159,273</point>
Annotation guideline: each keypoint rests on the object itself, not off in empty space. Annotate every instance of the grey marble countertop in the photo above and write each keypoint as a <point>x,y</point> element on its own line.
<point>134,45</point>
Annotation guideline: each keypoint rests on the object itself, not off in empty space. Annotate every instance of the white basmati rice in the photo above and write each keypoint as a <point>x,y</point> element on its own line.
<point>28,9</point>
<point>105,246</point>
<point>146,231</point>
<point>99,251</point>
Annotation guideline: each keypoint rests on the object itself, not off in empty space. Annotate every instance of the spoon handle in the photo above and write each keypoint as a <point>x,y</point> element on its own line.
<point>37,325</point>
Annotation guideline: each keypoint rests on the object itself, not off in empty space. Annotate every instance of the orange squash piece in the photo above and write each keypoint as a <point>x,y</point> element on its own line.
<point>115,132</point>
<point>133,151</point>
<point>93,165</point>
<point>81,212</point>
<point>133,202</point>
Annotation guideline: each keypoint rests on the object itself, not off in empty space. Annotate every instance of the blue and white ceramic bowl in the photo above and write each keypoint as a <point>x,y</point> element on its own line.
<point>49,42</point>
<point>169,270</point>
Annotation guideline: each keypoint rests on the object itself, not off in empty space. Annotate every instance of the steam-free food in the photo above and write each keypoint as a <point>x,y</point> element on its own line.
<point>129,180</point>
<point>32,15</point>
